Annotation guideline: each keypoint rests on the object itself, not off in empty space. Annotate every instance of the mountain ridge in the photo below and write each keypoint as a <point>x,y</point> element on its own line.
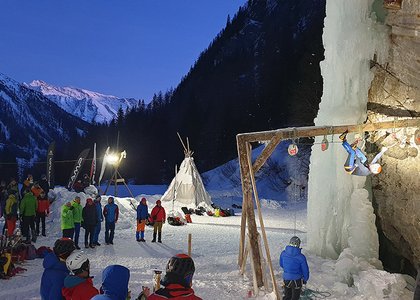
<point>88,105</point>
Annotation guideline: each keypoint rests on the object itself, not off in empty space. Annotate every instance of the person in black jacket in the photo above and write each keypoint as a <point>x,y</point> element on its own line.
<point>43,183</point>
<point>89,222</point>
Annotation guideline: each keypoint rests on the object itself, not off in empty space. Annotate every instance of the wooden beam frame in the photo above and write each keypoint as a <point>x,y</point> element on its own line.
<point>274,137</point>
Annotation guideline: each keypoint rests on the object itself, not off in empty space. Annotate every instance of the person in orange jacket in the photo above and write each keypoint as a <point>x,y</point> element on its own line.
<point>36,190</point>
<point>42,211</point>
<point>158,216</point>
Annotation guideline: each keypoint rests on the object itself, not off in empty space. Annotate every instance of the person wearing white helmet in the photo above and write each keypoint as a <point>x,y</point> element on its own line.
<point>79,284</point>
<point>356,163</point>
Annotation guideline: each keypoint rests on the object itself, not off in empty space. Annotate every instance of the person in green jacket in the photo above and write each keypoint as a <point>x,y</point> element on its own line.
<point>28,207</point>
<point>77,218</point>
<point>67,222</point>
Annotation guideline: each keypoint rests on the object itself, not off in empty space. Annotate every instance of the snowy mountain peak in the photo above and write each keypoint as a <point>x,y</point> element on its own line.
<point>87,105</point>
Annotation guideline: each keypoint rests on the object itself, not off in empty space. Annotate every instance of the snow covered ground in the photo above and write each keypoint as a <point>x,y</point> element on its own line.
<point>215,252</point>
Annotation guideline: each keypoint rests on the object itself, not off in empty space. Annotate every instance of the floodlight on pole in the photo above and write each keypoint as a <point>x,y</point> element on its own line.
<point>112,158</point>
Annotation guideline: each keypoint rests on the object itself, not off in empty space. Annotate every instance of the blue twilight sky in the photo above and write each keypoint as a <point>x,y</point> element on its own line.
<point>129,48</point>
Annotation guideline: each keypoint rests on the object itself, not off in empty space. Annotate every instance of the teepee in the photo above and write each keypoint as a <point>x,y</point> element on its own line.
<point>187,187</point>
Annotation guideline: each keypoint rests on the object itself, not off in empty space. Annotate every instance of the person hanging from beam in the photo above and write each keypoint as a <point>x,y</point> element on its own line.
<point>357,162</point>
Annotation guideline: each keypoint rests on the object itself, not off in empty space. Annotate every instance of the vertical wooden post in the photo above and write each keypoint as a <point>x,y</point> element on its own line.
<point>250,216</point>
<point>243,216</point>
<point>257,202</point>
<point>189,244</point>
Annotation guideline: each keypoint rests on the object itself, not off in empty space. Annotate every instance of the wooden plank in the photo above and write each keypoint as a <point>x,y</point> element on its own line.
<point>275,136</point>
<point>240,147</point>
<point>189,244</point>
<point>250,215</point>
<point>264,235</point>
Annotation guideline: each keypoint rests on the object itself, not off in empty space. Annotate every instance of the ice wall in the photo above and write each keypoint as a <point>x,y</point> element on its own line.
<point>340,213</point>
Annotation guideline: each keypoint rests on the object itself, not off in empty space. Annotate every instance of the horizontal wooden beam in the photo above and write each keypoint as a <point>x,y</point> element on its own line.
<point>275,136</point>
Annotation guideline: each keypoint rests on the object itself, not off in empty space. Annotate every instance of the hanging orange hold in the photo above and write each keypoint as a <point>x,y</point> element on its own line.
<point>417,137</point>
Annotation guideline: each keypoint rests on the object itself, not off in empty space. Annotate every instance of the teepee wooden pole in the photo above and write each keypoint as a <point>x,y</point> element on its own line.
<point>182,142</point>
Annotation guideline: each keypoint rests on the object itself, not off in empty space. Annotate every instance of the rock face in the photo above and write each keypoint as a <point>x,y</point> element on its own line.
<point>395,92</point>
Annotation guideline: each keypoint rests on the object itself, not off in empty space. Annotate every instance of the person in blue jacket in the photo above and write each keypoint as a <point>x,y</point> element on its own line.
<point>98,206</point>
<point>111,217</point>
<point>114,283</point>
<point>296,270</point>
<point>55,270</point>
<point>142,215</point>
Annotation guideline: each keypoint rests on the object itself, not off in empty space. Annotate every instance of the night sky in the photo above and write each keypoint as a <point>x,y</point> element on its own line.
<point>130,48</point>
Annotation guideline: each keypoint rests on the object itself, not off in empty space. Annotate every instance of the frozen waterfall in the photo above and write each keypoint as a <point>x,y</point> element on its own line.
<point>340,214</point>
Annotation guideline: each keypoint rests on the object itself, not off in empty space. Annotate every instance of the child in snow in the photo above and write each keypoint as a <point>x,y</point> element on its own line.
<point>178,280</point>
<point>111,217</point>
<point>296,270</point>
<point>142,215</point>
<point>55,269</point>
<point>356,163</point>
<point>159,216</point>
<point>79,284</point>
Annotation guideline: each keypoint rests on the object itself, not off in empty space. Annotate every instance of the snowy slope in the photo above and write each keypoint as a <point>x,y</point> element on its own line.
<point>87,105</point>
<point>282,178</point>
<point>215,252</point>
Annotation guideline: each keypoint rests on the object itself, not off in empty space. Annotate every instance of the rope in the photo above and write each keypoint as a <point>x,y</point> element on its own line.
<point>308,294</point>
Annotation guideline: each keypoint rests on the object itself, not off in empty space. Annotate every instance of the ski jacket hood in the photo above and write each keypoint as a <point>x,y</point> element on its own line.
<point>77,288</point>
<point>114,283</point>
<point>52,280</point>
<point>294,264</point>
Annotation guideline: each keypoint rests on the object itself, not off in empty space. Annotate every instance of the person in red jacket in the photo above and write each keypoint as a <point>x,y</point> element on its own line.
<point>42,211</point>
<point>178,280</point>
<point>78,285</point>
<point>158,216</point>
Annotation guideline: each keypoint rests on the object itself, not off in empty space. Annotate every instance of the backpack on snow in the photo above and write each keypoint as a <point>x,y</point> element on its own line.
<point>31,252</point>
